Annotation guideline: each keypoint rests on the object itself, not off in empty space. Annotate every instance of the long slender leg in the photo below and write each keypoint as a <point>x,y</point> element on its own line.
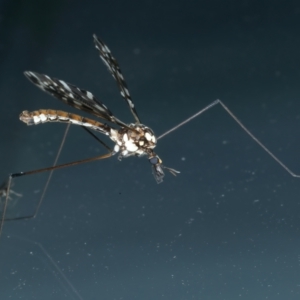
<point>6,191</point>
<point>69,289</point>
<point>214,103</point>
<point>56,160</point>
<point>90,159</point>
<point>51,172</point>
<point>96,138</point>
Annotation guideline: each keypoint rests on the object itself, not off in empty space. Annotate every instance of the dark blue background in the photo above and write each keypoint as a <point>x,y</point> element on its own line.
<point>227,227</point>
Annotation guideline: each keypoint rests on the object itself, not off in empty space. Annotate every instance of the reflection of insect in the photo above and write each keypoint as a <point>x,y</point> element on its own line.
<point>44,265</point>
<point>7,195</point>
<point>133,139</point>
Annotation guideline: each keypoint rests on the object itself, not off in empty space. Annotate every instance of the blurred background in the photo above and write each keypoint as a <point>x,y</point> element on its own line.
<point>227,227</point>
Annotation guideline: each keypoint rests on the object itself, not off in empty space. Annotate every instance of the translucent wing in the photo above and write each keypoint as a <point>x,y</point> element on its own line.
<point>115,71</point>
<point>73,96</point>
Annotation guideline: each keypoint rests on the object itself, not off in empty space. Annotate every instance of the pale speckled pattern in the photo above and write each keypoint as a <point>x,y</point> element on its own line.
<point>142,140</point>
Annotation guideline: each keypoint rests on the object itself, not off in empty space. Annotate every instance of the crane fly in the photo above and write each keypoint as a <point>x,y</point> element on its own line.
<point>133,139</point>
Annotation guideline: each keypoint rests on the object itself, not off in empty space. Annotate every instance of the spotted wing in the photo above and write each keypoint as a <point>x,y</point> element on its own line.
<point>73,96</point>
<point>115,71</point>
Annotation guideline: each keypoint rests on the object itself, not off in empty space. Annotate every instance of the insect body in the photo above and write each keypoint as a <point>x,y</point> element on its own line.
<point>133,139</point>
<point>130,139</point>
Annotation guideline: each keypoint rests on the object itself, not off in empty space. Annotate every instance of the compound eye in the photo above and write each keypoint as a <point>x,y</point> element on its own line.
<point>154,160</point>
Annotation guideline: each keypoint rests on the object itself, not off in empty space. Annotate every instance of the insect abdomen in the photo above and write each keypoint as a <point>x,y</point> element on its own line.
<point>50,115</point>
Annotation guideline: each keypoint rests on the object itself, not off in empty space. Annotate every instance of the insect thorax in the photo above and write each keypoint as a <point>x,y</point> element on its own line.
<point>138,140</point>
